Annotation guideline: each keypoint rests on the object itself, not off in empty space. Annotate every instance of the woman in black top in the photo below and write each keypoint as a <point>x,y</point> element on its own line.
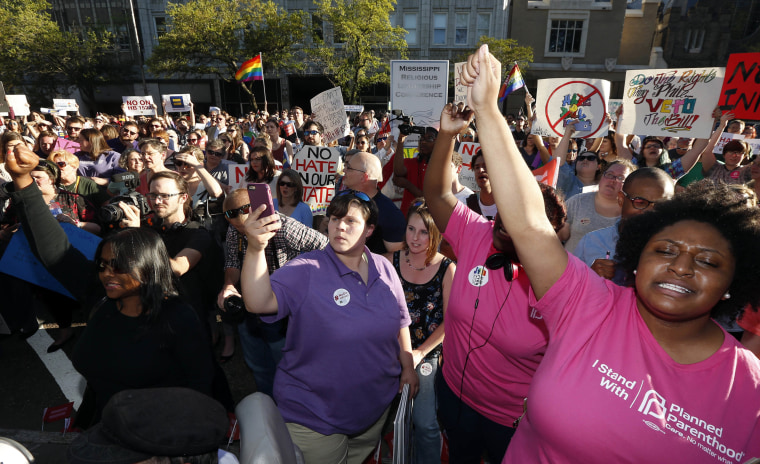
<point>140,334</point>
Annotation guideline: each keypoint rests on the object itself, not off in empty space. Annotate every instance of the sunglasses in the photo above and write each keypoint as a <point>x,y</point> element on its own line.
<point>101,265</point>
<point>61,164</point>
<point>72,129</point>
<point>381,139</point>
<point>360,195</point>
<point>310,132</point>
<point>287,184</point>
<point>129,132</point>
<point>587,158</point>
<point>192,140</point>
<point>180,164</point>
<point>233,213</point>
<point>215,153</point>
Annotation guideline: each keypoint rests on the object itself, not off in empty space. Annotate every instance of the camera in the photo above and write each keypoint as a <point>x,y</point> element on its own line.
<point>124,184</point>
<point>234,310</point>
<point>407,126</point>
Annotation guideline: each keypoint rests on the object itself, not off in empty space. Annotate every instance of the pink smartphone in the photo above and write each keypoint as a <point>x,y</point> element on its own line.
<point>260,194</point>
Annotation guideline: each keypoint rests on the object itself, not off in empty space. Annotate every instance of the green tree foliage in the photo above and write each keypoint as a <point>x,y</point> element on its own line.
<point>34,50</point>
<point>217,36</point>
<point>507,51</point>
<point>363,43</point>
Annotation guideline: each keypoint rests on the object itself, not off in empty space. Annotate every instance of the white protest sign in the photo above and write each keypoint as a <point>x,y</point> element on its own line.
<point>65,104</point>
<point>3,103</point>
<point>613,105</point>
<point>176,103</point>
<point>420,89</point>
<point>670,101</point>
<point>236,175</point>
<point>460,90</point>
<point>135,106</point>
<point>754,144</point>
<point>560,100</point>
<point>317,167</point>
<point>354,108</point>
<point>19,104</point>
<point>467,176</point>
<point>724,139</point>
<point>331,113</point>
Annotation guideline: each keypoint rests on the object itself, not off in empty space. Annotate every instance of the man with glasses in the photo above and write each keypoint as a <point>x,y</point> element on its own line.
<point>362,173</point>
<point>218,127</point>
<point>262,343</point>
<point>74,126</point>
<point>127,137</point>
<point>409,174</point>
<point>683,145</point>
<point>312,135</point>
<point>214,163</point>
<point>642,189</point>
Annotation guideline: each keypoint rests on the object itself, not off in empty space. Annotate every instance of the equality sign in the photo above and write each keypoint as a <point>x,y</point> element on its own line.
<point>331,113</point>
<point>176,103</point>
<point>317,167</point>
<point>19,261</point>
<point>135,106</point>
<point>64,104</point>
<point>460,90</point>
<point>740,92</point>
<point>559,101</point>
<point>420,89</point>
<point>667,102</point>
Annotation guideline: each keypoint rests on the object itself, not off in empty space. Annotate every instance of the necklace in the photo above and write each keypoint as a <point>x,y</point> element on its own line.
<point>409,263</point>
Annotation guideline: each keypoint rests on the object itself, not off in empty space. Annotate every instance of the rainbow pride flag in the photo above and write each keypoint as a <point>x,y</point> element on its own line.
<point>251,70</point>
<point>513,82</point>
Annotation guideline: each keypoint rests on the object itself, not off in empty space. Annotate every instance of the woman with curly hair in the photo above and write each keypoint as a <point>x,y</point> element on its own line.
<point>632,374</point>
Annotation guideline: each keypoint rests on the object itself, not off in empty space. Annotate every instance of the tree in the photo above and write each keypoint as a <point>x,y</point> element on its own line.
<point>507,51</point>
<point>217,36</point>
<point>363,42</point>
<point>35,51</point>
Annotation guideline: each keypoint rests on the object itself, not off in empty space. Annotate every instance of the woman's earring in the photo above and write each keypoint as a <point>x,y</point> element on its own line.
<point>726,296</point>
<point>634,272</point>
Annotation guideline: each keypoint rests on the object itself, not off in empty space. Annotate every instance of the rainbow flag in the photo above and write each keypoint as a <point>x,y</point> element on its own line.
<point>513,82</point>
<point>251,70</point>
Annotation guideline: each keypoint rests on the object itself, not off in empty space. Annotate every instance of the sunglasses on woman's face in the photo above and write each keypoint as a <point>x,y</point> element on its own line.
<point>287,184</point>
<point>587,158</point>
<point>235,212</point>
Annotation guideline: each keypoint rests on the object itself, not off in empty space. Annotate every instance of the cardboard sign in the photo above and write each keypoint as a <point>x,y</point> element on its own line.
<point>330,112</point>
<point>740,92</point>
<point>177,103</point>
<point>236,175</point>
<point>65,104</point>
<point>667,102</point>
<point>19,261</point>
<point>420,89</point>
<point>460,90</point>
<point>558,101</point>
<point>317,167</point>
<point>19,104</point>
<point>612,106</point>
<point>754,145</point>
<point>467,176</point>
<point>354,108</point>
<point>724,139</point>
<point>135,106</point>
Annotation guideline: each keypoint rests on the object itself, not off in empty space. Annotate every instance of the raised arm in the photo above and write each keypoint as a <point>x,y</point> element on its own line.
<point>437,185</point>
<point>192,116</point>
<point>564,143</point>
<point>543,152</point>
<point>517,194</point>
<point>254,276</point>
<point>399,169</point>
<point>708,157</point>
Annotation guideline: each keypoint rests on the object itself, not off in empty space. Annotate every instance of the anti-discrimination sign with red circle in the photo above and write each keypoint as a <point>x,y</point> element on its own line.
<point>559,101</point>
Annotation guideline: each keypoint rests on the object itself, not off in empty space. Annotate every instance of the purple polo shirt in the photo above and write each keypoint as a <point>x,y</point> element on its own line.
<point>340,368</point>
<point>106,165</point>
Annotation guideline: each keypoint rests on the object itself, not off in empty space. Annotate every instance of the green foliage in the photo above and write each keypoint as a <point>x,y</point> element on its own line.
<point>507,51</point>
<point>217,36</point>
<point>366,42</point>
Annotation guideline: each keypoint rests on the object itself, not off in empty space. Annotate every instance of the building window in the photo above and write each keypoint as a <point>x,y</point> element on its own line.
<point>694,40</point>
<point>161,27</point>
<point>484,25</point>
<point>439,28</point>
<point>317,28</point>
<point>461,27</point>
<point>410,24</point>
<point>566,33</point>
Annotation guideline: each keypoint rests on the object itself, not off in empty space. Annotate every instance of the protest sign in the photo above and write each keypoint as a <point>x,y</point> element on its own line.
<point>612,106</point>
<point>135,106</point>
<point>176,103</point>
<point>548,173</point>
<point>354,108</point>
<point>667,102</point>
<point>460,90</point>
<point>724,139</point>
<point>559,101</point>
<point>331,113</point>
<point>19,261</point>
<point>4,108</point>
<point>236,175</point>
<point>19,104</point>
<point>754,145</point>
<point>740,93</point>
<point>420,89</point>
<point>467,176</point>
<point>64,104</point>
<point>317,167</point>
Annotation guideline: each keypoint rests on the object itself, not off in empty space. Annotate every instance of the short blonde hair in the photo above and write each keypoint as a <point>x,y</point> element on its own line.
<point>67,156</point>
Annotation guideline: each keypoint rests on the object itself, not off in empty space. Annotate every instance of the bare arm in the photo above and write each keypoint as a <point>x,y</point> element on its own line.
<point>596,144</point>
<point>231,279</point>
<point>399,169</point>
<point>436,338</point>
<point>516,192</point>
<point>408,374</point>
<point>257,288</point>
<point>192,116</point>
<point>437,185</point>
<point>543,152</point>
<point>564,144</point>
<point>708,157</point>
<point>622,146</point>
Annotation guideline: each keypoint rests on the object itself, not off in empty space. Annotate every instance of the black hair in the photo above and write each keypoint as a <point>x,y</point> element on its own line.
<point>267,165</point>
<point>655,174</point>
<point>342,201</point>
<point>142,251</point>
<point>714,204</point>
<point>554,206</point>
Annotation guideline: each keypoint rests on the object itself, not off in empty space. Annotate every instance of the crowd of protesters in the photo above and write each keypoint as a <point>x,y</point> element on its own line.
<point>502,308</point>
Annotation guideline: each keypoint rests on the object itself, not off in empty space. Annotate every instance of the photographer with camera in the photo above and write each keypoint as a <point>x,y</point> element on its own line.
<point>409,174</point>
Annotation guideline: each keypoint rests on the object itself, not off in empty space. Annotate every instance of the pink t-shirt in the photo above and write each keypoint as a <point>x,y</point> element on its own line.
<point>498,374</point>
<point>607,391</point>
